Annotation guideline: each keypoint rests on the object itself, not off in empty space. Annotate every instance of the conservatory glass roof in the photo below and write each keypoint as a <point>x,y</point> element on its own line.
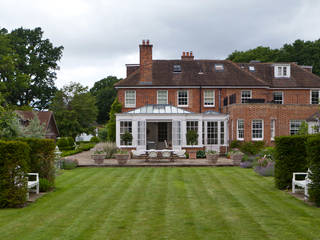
<point>160,109</point>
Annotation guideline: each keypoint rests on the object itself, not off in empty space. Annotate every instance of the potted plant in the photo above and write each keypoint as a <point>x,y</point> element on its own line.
<point>122,156</point>
<point>126,138</point>
<point>212,156</point>
<point>192,139</point>
<point>98,153</point>
<point>236,156</point>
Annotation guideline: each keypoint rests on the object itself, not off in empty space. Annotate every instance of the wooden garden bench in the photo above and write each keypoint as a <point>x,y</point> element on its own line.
<point>301,183</point>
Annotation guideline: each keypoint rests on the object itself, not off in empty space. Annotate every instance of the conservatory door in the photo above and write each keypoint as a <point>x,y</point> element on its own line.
<point>176,134</point>
<point>141,135</point>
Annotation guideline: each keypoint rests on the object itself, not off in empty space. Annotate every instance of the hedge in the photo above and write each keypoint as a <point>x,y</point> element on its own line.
<point>313,156</point>
<point>65,143</point>
<point>13,167</point>
<point>42,157</point>
<point>290,156</point>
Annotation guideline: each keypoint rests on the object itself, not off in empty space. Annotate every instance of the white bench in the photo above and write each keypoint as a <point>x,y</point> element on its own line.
<point>33,186</point>
<point>301,183</point>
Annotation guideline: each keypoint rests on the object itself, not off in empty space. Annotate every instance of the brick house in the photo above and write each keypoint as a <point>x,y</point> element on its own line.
<point>221,100</point>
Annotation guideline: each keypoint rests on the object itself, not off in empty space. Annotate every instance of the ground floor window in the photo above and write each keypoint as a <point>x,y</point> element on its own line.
<point>221,132</point>
<point>192,126</point>
<point>176,130</point>
<point>273,129</point>
<point>125,126</point>
<point>141,133</point>
<point>240,129</point>
<point>257,129</point>
<point>162,131</point>
<point>315,96</point>
<point>212,132</point>
<point>295,126</point>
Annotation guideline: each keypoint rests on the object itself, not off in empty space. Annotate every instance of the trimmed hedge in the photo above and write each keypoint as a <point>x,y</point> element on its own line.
<point>65,143</point>
<point>313,153</point>
<point>13,167</point>
<point>290,156</point>
<point>42,157</point>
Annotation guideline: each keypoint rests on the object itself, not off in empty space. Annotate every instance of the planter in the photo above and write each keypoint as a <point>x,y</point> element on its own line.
<point>122,158</point>
<point>192,155</point>
<point>98,158</point>
<point>212,158</point>
<point>237,157</point>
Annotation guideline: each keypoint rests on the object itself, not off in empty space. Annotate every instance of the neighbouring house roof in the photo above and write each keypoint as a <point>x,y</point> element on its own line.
<point>159,109</point>
<point>45,117</point>
<point>314,117</point>
<point>203,73</point>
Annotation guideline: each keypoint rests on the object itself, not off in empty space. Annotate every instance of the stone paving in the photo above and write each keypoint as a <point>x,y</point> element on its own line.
<point>84,160</point>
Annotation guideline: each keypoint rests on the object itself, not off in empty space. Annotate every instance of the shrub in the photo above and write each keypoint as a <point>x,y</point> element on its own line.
<point>103,134</point>
<point>116,107</point>
<point>269,152</point>
<point>313,153</point>
<point>94,139</point>
<point>126,138</point>
<point>201,154</point>
<point>252,148</point>
<point>42,157</point>
<point>246,164</point>
<point>69,164</point>
<point>192,137</point>
<point>107,148</point>
<point>235,144</point>
<point>290,156</point>
<point>266,171</point>
<point>44,185</point>
<point>14,160</point>
<point>65,143</point>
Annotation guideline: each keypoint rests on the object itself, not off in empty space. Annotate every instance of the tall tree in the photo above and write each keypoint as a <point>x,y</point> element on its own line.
<point>105,94</point>
<point>302,52</point>
<point>29,73</point>
<point>75,110</point>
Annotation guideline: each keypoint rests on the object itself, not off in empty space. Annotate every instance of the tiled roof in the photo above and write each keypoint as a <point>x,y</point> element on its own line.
<point>203,73</point>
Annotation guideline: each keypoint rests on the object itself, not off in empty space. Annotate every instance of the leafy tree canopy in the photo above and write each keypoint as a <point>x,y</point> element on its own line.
<point>75,110</point>
<point>105,94</point>
<point>302,52</point>
<point>27,67</point>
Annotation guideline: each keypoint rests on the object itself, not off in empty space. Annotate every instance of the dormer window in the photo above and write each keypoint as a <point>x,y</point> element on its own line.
<point>282,70</point>
<point>176,68</point>
<point>218,67</point>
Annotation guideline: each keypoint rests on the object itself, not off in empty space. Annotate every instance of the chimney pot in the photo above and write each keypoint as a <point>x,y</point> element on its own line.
<point>187,53</point>
<point>147,42</point>
<point>190,53</point>
<point>143,42</point>
<point>183,53</point>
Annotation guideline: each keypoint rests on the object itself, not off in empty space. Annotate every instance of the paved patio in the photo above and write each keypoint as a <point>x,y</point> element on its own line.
<point>84,160</point>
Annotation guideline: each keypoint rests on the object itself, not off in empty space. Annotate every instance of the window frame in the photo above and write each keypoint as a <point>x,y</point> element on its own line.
<point>194,126</point>
<point>247,97</point>
<point>291,129</point>
<point>282,70</point>
<point>126,98</point>
<point>272,129</point>
<point>187,91</point>
<point>213,98</point>
<point>252,129</point>
<point>314,90</point>
<point>166,96</point>
<point>238,135</point>
<point>124,127</point>
<point>282,99</point>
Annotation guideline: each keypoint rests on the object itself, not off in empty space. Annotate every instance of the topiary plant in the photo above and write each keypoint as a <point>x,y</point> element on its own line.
<point>126,138</point>
<point>192,137</point>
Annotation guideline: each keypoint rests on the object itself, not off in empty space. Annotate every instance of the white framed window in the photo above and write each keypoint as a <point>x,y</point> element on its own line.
<point>240,129</point>
<point>222,133</point>
<point>212,132</point>
<point>208,98</point>
<point>272,129</point>
<point>162,97</point>
<point>130,98</point>
<point>141,133</point>
<point>295,126</point>
<point>176,133</point>
<point>257,129</point>
<point>315,97</point>
<point>192,126</point>
<point>245,95</point>
<point>218,67</point>
<point>125,126</point>
<point>278,97</point>
<point>251,68</point>
<point>282,70</point>
<point>183,98</point>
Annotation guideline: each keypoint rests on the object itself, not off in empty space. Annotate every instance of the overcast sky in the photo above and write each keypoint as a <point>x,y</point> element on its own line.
<point>101,36</point>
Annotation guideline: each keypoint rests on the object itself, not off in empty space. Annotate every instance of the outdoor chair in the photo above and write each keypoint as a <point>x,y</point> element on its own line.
<point>301,183</point>
<point>33,186</point>
<point>152,155</point>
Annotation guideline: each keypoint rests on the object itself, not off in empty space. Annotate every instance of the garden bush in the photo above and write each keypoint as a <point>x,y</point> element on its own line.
<point>290,156</point>
<point>69,164</point>
<point>42,157</point>
<point>252,148</point>
<point>201,154</point>
<point>236,144</point>
<point>265,171</point>
<point>94,139</point>
<point>65,143</point>
<point>82,147</point>
<point>44,185</point>
<point>313,156</point>
<point>14,160</point>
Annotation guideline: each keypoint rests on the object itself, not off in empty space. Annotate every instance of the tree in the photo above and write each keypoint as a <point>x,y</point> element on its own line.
<point>302,52</point>
<point>27,66</point>
<point>9,124</point>
<point>116,107</point>
<point>105,94</point>
<point>75,110</point>
<point>35,128</point>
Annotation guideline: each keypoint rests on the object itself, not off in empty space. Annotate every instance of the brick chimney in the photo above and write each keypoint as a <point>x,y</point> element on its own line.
<point>187,56</point>
<point>145,62</point>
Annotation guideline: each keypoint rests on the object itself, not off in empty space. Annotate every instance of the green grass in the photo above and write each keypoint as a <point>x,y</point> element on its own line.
<point>162,203</point>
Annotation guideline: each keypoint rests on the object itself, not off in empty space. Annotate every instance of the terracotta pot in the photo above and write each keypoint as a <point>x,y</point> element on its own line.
<point>237,158</point>
<point>192,155</point>
<point>98,158</point>
<point>122,158</point>
<point>212,158</point>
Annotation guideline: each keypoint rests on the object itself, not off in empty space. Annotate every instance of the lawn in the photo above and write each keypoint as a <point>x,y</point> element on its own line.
<point>162,203</point>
